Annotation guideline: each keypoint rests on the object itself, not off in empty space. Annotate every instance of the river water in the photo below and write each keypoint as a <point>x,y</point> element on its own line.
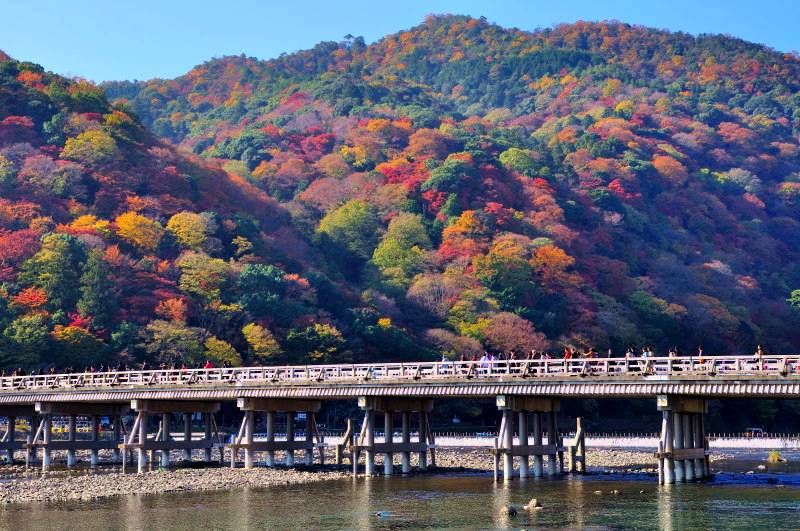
<point>731,501</point>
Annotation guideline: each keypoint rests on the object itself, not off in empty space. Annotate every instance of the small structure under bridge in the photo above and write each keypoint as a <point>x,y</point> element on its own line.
<point>528,394</point>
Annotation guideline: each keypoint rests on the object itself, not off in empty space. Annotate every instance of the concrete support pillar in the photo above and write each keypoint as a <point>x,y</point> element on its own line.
<point>406,459</point>
<point>187,435</point>
<point>94,452</point>
<point>523,441</point>
<point>369,456</point>
<point>706,464</point>
<point>431,439</point>
<point>270,437</point>
<point>508,443</point>
<point>388,407</point>
<point>116,421</point>
<point>423,438</point>
<point>320,438</point>
<point>71,438</point>
<point>682,429</point>
<point>207,435</point>
<point>141,452</point>
<point>309,438</point>
<point>552,439</point>
<point>688,443</point>
<point>165,426</point>
<point>10,436</point>
<point>699,442</point>
<point>538,461</point>
<point>290,437</point>
<point>668,444</point>
<point>677,427</point>
<point>30,455</point>
<point>248,439</point>
<point>46,437</point>
<point>388,438</point>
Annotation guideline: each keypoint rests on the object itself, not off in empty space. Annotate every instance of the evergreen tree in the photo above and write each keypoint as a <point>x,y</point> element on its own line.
<point>56,269</point>
<point>98,297</point>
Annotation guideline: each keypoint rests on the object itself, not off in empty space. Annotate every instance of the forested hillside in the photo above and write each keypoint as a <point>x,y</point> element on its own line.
<point>451,188</point>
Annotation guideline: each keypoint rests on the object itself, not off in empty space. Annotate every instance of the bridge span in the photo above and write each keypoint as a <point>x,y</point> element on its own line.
<point>527,392</point>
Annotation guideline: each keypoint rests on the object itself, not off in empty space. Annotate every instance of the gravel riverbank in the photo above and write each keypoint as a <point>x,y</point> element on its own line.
<point>102,485</point>
<point>597,460</point>
<point>18,486</point>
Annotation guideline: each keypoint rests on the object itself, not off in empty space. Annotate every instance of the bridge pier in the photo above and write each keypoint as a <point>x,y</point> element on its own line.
<point>43,438</point>
<point>388,438</point>
<point>165,437</point>
<point>9,443</point>
<point>270,437</point>
<point>682,450</point>
<point>312,439</point>
<point>543,412</point>
<point>162,441</point>
<point>389,448</point>
<point>577,449</point>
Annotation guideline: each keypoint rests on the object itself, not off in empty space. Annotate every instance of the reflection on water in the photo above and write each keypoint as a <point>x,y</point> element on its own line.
<point>462,502</point>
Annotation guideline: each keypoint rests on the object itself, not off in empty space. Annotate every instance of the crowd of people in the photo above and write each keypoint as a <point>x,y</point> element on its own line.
<point>643,358</point>
<point>574,353</point>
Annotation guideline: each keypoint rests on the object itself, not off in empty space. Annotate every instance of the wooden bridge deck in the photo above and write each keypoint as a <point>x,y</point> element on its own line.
<point>718,376</point>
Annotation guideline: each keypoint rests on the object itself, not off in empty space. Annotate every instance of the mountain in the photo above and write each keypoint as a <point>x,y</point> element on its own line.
<point>453,187</point>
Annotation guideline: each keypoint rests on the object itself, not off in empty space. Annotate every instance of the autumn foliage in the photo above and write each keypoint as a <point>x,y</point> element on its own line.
<point>454,187</point>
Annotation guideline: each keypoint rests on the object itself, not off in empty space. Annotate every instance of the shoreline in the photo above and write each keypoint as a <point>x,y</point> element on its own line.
<point>77,486</point>
<point>83,484</point>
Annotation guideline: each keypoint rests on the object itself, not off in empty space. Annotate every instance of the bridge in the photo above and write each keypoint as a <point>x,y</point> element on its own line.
<point>527,392</point>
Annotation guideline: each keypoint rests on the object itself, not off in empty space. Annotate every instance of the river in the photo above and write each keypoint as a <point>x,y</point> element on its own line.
<point>731,501</point>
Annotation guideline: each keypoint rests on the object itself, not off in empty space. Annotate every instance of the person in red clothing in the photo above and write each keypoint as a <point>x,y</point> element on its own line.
<point>209,365</point>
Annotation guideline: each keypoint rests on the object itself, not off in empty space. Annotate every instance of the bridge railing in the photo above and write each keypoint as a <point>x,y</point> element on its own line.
<point>708,366</point>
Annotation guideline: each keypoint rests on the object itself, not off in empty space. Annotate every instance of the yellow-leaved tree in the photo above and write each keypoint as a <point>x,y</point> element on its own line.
<point>140,231</point>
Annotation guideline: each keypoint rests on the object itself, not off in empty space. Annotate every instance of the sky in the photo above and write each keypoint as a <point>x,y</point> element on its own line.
<point>143,39</point>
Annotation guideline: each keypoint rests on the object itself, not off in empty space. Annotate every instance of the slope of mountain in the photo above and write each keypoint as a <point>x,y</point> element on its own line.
<point>453,187</point>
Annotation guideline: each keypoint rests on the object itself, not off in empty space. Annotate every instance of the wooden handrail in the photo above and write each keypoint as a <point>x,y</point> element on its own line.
<point>645,367</point>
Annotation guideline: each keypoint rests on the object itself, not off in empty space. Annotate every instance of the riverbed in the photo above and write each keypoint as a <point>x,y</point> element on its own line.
<point>432,502</point>
<point>619,492</point>
<point>18,485</point>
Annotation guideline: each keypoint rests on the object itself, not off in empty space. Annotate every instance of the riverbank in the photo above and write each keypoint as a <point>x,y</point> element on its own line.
<point>83,484</point>
<point>597,460</point>
<point>89,486</point>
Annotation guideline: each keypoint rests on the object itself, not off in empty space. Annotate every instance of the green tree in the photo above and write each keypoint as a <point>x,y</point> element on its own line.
<point>27,339</point>
<point>124,340</point>
<point>794,299</point>
<point>93,147</point>
<point>402,252</point>
<point>451,176</point>
<point>352,229</point>
<point>320,343</point>
<point>509,278</point>
<point>261,287</point>
<point>56,269</point>
<point>172,342</point>
<point>203,276</point>
<point>518,160</point>
<point>7,172</point>
<point>98,295</point>
<point>76,347</point>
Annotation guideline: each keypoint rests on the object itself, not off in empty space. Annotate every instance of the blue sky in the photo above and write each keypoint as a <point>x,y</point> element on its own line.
<point>141,39</point>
